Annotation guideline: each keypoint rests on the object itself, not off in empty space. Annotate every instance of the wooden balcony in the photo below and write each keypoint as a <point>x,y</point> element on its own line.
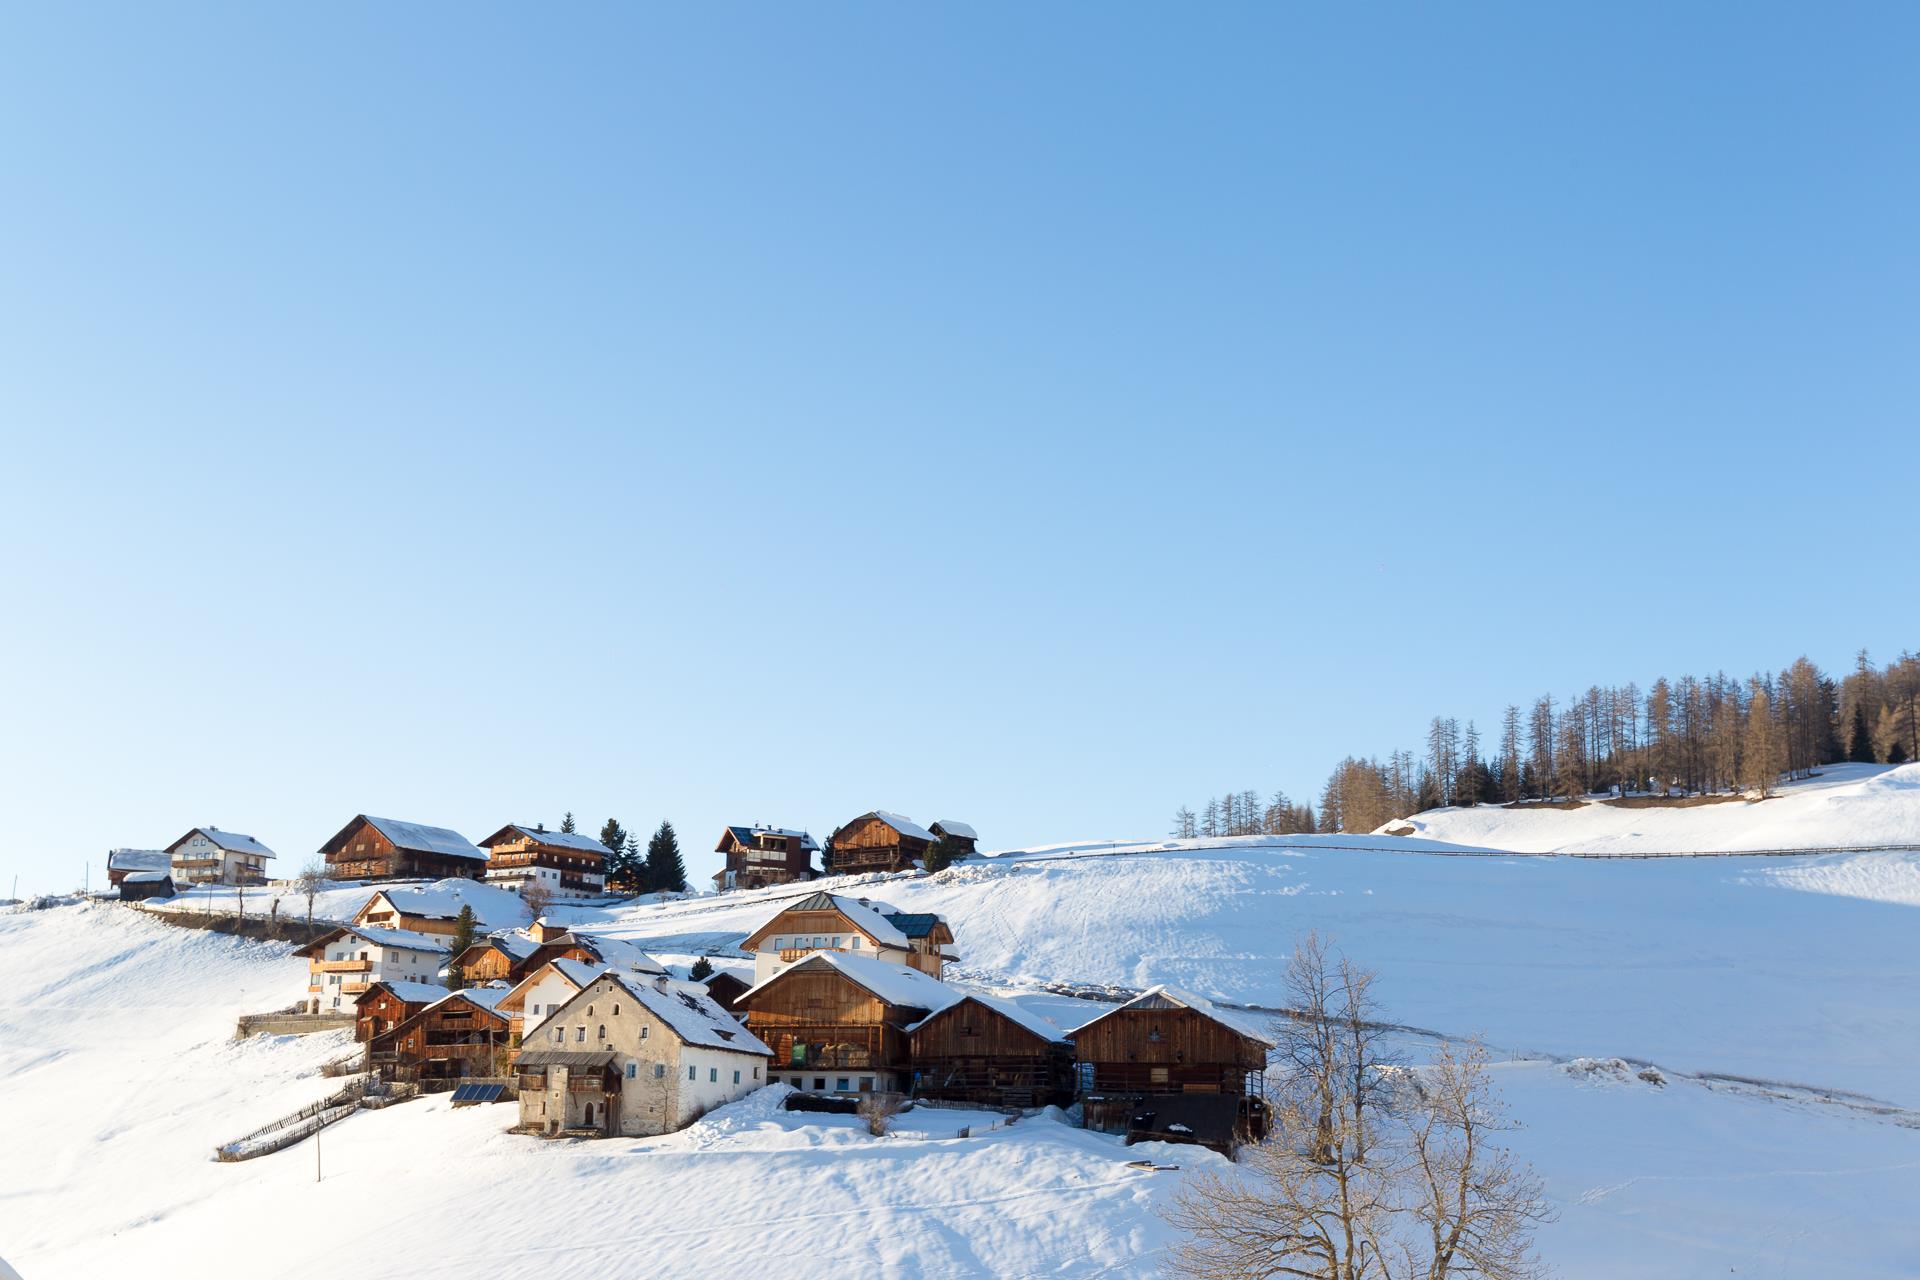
<point>354,988</point>
<point>343,966</point>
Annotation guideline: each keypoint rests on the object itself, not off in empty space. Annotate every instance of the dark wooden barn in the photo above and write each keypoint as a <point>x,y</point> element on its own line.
<point>1168,1043</point>
<point>837,1023</point>
<point>725,988</point>
<point>455,1039</point>
<point>385,1005</point>
<point>382,848</point>
<point>989,1051</point>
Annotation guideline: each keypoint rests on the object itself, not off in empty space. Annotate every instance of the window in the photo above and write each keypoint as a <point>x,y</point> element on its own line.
<point>798,1057</point>
<point>633,1069</point>
<point>866,1084</point>
<point>820,1083</point>
<point>693,1072</point>
<point>736,1077</point>
<point>756,1073</point>
<point>644,1028</point>
<point>841,1084</point>
<point>837,939</point>
<point>603,1032</point>
<point>559,1035</point>
<point>589,1011</point>
<point>580,1037</point>
<point>616,1011</point>
<point>659,1071</point>
<point>854,943</point>
<point>1153,1036</point>
<point>779,944</point>
<point>713,1075</point>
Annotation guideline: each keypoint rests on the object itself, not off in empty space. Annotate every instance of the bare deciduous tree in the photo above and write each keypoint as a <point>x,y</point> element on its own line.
<point>537,897</point>
<point>878,1110</point>
<point>311,880</point>
<point>1373,1170</point>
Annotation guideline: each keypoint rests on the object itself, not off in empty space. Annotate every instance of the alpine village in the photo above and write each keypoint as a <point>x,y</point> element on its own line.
<point>459,972</point>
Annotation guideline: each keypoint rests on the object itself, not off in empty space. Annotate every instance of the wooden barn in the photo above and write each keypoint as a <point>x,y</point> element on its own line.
<point>498,957</point>
<point>385,1005</point>
<point>1167,1044</point>
<point>382,849</point>
<point>122,863</point>
<point>959,835</point>
<point>137,886</point>
<point>878,841</point>
<point>982,1050</point>
<point>837,1023</point>
<point>761,856</point>
<point>458,1037</point>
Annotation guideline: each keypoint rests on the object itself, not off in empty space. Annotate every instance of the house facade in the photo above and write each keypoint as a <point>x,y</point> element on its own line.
<point>208,855</point>
<point>983,1050</point>
<point>1170,1058</point>
<point>878,841</point>
<point>344,963</point>
<point>837,1022</point>
<point>369,848</point>
<point>565,864</point>
<point>385,1005</point>
<point>633,1056</point>
<point>857,926</point>
<point>458,1037</point>
<point>761,856</point>
<point>540,993</point>
<point>435,908</point>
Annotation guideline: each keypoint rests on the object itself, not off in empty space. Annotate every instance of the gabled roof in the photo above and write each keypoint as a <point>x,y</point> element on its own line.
<point>147,877</point>
<point>413,837</point>
<point>920,924</point>
<point>398,939</point>
<point>864,914</point>
<point>421,993</point>
<point>893,983</point>
<point>227,841</point>
<point>480,997</point>
<point>904,825</point>
<point>138,860</point>
<point>1007,1009</point>
<point>1165,997</point>
<point>948,827</point>
<point>686,1009</point>
<point>612,953</point>
<point>745,835</point>
<point>575,973</point>
<point>557,839</point>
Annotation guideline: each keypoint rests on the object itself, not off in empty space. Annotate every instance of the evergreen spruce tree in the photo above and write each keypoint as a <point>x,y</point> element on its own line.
<point>1860,750</point>
<point>665,872</point>
<point>940,855</point>
<point>566,823</point>
<point>702,969</point>
<point>462,939</point>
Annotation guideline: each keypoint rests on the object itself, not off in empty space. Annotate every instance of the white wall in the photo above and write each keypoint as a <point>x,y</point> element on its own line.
<point>767,962</point>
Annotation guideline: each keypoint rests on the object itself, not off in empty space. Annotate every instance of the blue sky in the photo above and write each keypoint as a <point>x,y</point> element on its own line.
<point>1039,417</point>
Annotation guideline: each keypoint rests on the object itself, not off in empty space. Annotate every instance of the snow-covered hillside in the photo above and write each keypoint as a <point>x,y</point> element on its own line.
<point>1796,974</point>
<point>1847,806</point>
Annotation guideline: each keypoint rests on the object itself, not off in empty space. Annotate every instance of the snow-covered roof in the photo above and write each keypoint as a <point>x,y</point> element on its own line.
<point>745,835</point>
<point>904,825</point>
<point>421,838</point>
<point>953,828</point>
<point>484,997</point>
<point>865,914</point>
<point>1251,1025</point>
<point>691,1014</point>
<point>493,907</point>
<point>558,839</point>
<point>147,877</point>
<point>893,983</point>
<point>412,992</point>
<point>138,860</point>
<point>1006,1008</point>
<point>620,955</point>
<point>397,939</point>
<point>229,841</point>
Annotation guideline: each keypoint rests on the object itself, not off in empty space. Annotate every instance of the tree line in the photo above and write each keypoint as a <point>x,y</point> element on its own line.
<point>1686,736</point>
<point>659,869</point>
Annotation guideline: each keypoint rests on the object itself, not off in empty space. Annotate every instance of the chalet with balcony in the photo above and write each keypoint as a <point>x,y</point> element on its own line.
<point>343,963</point>
<point>456,1038</point>
<point>633,1056</point>
<point>761,856</point>
<point>1173,1066</point>
<point>984,1050</point>
<point>565,864</point>
<point>385,1005</point>
<point>857,926</point>
<point>878,841</point>
<point>384,849</point>
<point>208,855</point>
<point>124,862</point>
<point>839,1022</point>
<point>540,993</point>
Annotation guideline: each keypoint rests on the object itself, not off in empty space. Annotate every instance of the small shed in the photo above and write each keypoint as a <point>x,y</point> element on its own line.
<point>958,836</point>
<point>136,886</point>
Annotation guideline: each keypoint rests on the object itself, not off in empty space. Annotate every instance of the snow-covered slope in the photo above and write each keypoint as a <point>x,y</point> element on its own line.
<point>120,1078</point>
<point>1847,806</point>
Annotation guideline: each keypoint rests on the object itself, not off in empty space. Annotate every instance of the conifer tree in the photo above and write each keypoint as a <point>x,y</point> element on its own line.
<point>1860,747</point>
<point>665,872</point>
<point>462,939</point>
<point>566,823</point>
<point>702,969</point>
